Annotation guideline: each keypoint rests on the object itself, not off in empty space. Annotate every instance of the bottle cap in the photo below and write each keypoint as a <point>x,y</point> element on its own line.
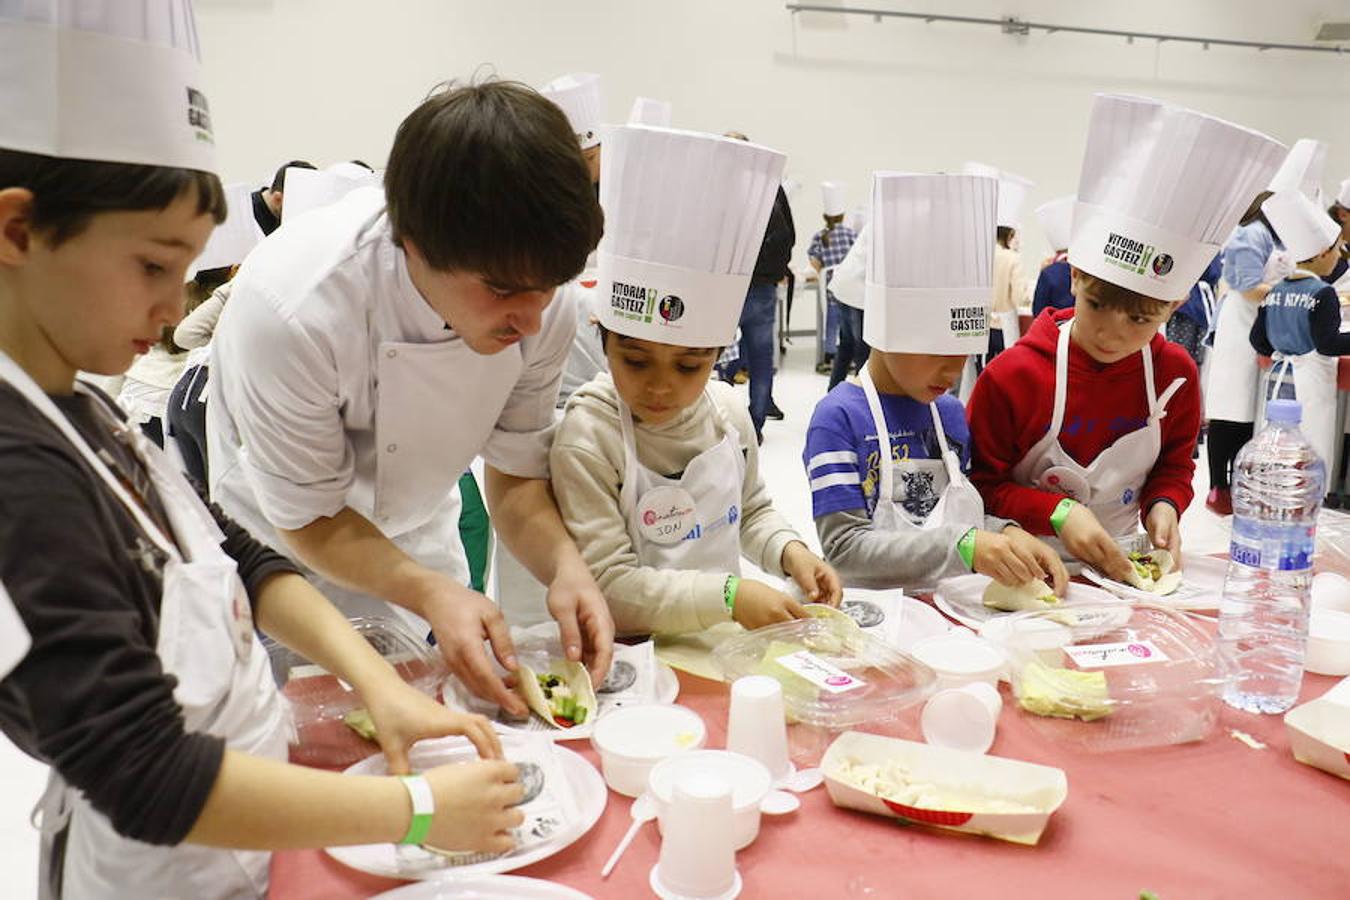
<point>1286,412</point>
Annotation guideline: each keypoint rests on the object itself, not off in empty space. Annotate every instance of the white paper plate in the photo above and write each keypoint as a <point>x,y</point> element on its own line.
<point>494,887</point>
<point>962,598</point>
<point>587,786</point>
<point>1201,585</point>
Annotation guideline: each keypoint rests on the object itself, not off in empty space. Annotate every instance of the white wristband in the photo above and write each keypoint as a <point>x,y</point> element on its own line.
<point>423,808</point>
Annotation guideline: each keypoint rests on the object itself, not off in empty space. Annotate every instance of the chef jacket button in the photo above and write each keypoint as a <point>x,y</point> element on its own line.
<point>391,448</point>
<point>391,353</point>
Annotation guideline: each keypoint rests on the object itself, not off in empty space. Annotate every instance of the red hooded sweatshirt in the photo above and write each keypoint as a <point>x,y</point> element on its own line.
<point>1013,403</point>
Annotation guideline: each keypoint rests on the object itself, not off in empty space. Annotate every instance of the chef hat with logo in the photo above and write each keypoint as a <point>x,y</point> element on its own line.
<point>234,238</point>
<point>1056,218</point>
<point>1012,191</point>
<point>685,215</point>
<point>647,111</point>
<point>309,189</point>
<point>1161,189</point>
<point>1302,169</point>
<point>104,80</point>
<point>1304,227</point>
<point>832,195</point>
<point>930,268</point>
<point>578,96</point>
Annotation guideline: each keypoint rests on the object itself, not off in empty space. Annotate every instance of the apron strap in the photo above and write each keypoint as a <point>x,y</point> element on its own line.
<point>1160,408</point>
<point>949,458</point>
<point>51,814</point>
<point>886,478</point>
<point>628,490</point>
<point>1061,377</point>
<point>1149,385</point>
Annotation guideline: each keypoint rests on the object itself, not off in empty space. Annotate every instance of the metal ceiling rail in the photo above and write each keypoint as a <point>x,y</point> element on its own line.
<point>1012,25</point>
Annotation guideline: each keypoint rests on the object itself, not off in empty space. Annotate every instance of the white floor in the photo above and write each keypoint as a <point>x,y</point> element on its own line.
<point>796,390</point>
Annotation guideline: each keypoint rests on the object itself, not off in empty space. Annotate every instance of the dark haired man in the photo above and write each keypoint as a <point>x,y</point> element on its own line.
<point>267,200</point>
<point>374,347</point>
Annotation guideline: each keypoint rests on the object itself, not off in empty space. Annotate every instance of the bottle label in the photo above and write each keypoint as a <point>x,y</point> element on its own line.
<point>1287,549</point>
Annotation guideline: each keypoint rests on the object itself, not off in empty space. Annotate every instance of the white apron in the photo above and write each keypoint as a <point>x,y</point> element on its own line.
<point>225,688</point>
<point>1110,485</point>
<point>958,504</point>
<point>691,522</point>
<point>1315,389</point>
<point>1234,375</point>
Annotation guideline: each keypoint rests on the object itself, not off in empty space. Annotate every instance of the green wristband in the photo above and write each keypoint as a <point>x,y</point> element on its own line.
<point>966,547</point>
<point>1061,514</point>
<point>729,592</point>
<point>423,809</point>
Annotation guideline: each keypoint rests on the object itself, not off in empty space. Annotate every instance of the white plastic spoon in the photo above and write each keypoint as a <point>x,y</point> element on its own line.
<point>642,811</point>
<point>779,803</point>
<point>800,781</point>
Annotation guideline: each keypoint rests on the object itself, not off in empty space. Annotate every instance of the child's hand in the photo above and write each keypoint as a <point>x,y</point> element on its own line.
<point>758,605</point>
<point>1008,560</point>
<point>404,715</point>
<point>1086,539</point>
<point>475,806</point>
<point>817,578</point>
<point>1036,553</point>
<point>1163,528</point>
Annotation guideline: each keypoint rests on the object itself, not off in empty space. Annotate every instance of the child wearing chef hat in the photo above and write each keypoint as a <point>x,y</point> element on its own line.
<point>916,519</point>
<point>1086,428</point>
<point>1299,321</point>
<point>656,468</point>
<point>146,688</point>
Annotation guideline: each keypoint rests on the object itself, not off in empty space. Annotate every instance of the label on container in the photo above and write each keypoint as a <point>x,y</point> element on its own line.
<point>1127,653</point>
<point>820,673</point>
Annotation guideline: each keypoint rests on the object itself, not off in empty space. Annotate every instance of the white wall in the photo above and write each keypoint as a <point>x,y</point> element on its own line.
<point>329,80</point>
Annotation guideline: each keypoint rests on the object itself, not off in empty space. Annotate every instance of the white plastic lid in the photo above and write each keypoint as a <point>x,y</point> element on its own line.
<point>958,720</point>
<point>648,731</point>
<point>749,778</point>
<point>959,654</point>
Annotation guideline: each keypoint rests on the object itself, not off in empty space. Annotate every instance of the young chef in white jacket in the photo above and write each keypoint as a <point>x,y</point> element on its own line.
<point>372,348</point>
<point>146,688</point>
<point>656,468</point>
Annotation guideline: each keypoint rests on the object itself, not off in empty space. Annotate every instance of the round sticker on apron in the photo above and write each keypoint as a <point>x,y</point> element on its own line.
<point>1063,480</point>
<point>665,514</point>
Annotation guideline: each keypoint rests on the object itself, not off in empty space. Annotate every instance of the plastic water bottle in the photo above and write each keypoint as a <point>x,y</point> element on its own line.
<point>1278,485</point>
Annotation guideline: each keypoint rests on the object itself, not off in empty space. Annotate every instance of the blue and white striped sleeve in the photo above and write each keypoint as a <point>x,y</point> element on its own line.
<point>834,473</point>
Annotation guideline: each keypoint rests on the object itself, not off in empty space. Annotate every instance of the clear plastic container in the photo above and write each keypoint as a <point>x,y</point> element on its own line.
<point>1114,677</point>
<point>835,678</point>
<point>320,700</point>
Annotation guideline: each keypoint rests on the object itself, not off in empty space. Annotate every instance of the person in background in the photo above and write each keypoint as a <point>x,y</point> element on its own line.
<point>759,315</point>
<point>886,459</point>
<point>1053,288</point>
<point>146,689</point>
<point>268,200</point>
<point>1190,325</point>
<point>1299,321</point>
<point>1010,286</point>
<point>656,468</point>
<point>828,248</point>
<point>186,414</point>
<point>1110,447</point>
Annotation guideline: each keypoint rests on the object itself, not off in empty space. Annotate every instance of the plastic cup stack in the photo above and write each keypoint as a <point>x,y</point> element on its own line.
<point>698,856</point>
<point>757,726</point>
<point>963,718</point>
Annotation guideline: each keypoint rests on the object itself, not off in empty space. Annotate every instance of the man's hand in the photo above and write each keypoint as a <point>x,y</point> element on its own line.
<point>462,619</point>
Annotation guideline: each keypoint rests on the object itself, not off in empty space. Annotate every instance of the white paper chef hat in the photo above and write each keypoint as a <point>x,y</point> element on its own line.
<point>1304,227</point>
<point>1343,195</point>
<point>1056,218</point>
<point>832,197</point>
<point>647,111</point>
<point>235,237</point>
<point>930,269</point>
<point>1012,191</point>
<point>309,189</point>
<point>578,95</point>
<point>1161,189</point>
<point>685,215</point>
<point>104,80</point>
<point>1302,169</point>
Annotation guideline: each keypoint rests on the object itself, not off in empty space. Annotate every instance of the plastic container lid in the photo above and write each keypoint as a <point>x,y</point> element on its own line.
<point>319,700</point>
<point>1114,677</point>
<point>833,674</point>
<point>648,732</point>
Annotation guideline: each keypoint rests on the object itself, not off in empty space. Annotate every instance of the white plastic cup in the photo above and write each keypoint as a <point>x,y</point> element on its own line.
<point>963,718</point>
<point>757,725</point>
<point>698,860</point>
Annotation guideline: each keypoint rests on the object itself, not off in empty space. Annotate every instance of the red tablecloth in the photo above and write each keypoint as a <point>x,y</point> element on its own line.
<point>1210,819</point>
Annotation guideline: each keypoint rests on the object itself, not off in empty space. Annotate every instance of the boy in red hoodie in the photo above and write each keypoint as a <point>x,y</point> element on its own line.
<point>1086,427</point>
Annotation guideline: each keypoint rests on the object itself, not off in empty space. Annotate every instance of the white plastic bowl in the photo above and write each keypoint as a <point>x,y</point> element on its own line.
<point>749,778</point>
<point>959,658</point>
<point>632,740</point>
<point>1328,643</point>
